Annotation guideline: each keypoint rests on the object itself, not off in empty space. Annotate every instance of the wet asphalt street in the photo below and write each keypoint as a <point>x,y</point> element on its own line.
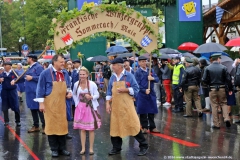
<point>180,138</point>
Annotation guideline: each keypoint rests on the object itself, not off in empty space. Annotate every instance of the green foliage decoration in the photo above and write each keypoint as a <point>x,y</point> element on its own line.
<point>65,16</point>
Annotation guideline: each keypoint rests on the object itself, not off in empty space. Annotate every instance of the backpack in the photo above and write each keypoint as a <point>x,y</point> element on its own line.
<point>107,72</point>
<point>237,76</point>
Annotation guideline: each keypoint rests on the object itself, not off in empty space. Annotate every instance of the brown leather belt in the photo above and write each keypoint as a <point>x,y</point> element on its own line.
<point>220,86</point>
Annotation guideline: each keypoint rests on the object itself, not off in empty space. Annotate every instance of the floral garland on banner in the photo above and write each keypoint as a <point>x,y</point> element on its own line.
<point>65,16</point>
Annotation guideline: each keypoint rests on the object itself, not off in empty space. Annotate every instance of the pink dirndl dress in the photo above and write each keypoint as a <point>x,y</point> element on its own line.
<point>83,117</point>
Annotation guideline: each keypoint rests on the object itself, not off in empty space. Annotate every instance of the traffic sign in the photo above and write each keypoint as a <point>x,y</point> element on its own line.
<point>25,53</point>
<point>147,12</point>
<point>25,47</point>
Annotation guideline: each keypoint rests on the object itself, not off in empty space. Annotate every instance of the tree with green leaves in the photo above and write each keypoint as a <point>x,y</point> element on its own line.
<point>38,18</point>
<point>11,25</point>
<point>31,20</point>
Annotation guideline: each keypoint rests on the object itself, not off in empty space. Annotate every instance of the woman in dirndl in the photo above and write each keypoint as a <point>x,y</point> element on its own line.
<point>86,117</point>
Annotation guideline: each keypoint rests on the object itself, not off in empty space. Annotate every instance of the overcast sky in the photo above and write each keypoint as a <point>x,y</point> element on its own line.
<point>204,2</point>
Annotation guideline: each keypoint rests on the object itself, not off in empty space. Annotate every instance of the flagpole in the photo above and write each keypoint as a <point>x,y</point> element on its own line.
<point>210,5</point>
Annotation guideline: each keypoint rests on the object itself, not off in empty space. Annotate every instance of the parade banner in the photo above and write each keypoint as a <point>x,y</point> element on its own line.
<point>189,10</point>
<point>133,26</point>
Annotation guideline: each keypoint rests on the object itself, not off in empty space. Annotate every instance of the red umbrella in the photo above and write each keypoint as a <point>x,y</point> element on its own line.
<point>47,56</point>
<point>188,46</point>
<point>234,42</point>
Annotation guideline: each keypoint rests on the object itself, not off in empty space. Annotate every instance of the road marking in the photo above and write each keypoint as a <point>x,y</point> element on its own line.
<point>21,141</point>
<point>177,140</point>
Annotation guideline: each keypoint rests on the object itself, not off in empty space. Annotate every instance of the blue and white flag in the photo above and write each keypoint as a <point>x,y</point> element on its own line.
<point>219,14</point>
<point>146,41</point>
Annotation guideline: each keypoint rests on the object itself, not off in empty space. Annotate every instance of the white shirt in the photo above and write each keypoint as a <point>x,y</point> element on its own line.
<point>50,65</point>
<point>143,69</point>
<point>78,69</point>
<point>42,99</point>
<point>32,65</point>
<point>93,91</point>
<point>55,71</point>
<point>131,92</point>
<point>7,73</point>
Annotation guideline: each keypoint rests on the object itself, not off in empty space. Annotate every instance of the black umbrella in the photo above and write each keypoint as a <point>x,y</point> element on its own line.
<point>164,56</point>
<point>125,55</point>
<point>210,47</point>
<point>227,61</point>
<point>99,59</point>
<point>188,55</point>
<point>168,51</point>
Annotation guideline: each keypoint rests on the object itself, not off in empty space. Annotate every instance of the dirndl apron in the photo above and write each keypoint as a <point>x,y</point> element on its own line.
<point>124,119</point>
<point>55,109</point>
<point>85,117</point>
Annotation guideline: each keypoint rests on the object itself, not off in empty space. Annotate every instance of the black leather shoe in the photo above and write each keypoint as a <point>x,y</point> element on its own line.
<point>143,151</point>
<point>54,153</point>
<point>18,124</point>
<point>200,114</point>
<point>114,151</point>
<point>68,136</point>
<point>65,153</point>
<point>215,127</point>
<point>187,115</point>
<point>228,124</point>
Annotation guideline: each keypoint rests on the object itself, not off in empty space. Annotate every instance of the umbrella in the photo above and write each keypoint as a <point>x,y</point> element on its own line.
<point>168,51</point>
<point>235,49</point>
<point>89,58</point>
<point>210,47</point>
<point>227,61</point>
<point>210,53</point>
<point>114,50</point>
<point>67,56</point>
<point>99,59</point>
<point>47,56</point>
<point>115,53</point>
<point>164,56</point>
<point>188,46</point>
<point>188,55</point>
<point>234,42</point>
<point>147,55</point>
<point>125,55</point>
<point>44,60</point>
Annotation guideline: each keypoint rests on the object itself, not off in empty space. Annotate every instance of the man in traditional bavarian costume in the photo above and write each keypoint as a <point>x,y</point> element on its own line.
<point>146,98</point>
<point>9,94</point>
<point>122,88</point>
<point>31,81</point>
<point>51,95</point>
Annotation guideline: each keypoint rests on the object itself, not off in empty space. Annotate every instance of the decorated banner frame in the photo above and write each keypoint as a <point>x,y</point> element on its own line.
<point>108,20</point>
